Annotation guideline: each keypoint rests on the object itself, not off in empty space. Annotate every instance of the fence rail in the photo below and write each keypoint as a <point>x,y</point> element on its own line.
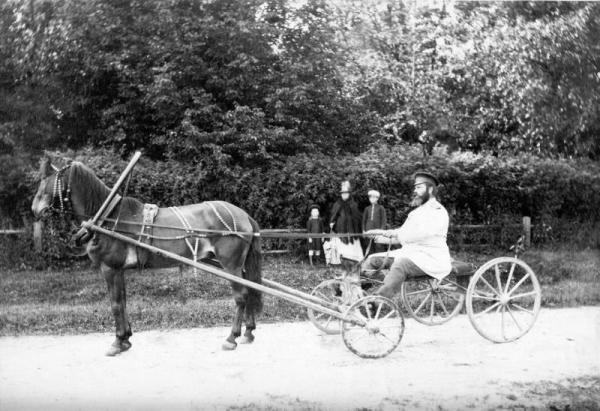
<point>278,245</point>
<point>8,232</point>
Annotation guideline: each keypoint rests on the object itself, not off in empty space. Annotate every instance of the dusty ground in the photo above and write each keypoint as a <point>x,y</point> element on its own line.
<point>293,366</point>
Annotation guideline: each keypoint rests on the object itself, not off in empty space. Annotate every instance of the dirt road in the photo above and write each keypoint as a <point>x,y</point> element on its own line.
<point>293,366</point>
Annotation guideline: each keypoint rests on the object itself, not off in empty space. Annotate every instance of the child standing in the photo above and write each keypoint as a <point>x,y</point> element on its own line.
<point>314,225</point>
<point>374,218</point>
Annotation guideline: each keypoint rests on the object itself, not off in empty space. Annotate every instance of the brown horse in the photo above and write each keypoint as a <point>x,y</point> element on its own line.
<point>76,188</point>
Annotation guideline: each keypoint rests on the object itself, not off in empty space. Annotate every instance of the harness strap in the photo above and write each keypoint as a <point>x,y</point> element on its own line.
<point>210,203</point>
<point>148,215</point>
<point>189,229</point>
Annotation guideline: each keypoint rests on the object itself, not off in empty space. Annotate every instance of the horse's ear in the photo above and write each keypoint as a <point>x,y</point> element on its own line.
<point>46,167</point>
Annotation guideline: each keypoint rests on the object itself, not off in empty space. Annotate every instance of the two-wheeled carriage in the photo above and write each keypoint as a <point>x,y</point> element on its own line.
<point>502,297</point>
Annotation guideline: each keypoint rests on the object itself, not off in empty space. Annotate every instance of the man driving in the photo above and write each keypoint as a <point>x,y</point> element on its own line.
<point>422,236</point>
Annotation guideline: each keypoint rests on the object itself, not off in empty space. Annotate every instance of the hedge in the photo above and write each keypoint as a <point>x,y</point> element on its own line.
<point>476,188</point>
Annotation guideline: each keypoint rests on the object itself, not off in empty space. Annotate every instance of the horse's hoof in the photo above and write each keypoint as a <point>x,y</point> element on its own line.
<point>113,350</point>
<point>247,339</point>
<point>229,346</point>
<point>125,345</point>
<point>118,347</point>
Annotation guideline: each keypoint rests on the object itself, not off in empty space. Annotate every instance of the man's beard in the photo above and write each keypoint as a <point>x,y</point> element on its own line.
<point>418,200</point>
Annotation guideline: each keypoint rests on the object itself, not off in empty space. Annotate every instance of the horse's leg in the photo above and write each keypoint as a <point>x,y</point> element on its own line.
<point>115,279</point>
<point>248,337</point>
<point>236,328</point>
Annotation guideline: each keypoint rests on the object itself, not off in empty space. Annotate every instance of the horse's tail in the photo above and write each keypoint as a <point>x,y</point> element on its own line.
<point>253,271</point>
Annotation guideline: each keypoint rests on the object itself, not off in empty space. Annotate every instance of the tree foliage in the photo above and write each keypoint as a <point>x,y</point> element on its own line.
<point>236,87</point>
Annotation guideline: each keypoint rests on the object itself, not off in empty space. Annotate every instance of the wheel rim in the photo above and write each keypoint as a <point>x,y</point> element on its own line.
<point>430,301</point>
<point>330,291</point>
<point>372,327</point>
<point>503,299</point>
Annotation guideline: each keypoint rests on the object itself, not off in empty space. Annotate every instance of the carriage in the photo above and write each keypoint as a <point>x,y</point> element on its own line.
<point>502,297</point>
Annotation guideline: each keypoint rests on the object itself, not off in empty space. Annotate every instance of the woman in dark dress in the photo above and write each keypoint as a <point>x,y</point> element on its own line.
<point>346,218</point>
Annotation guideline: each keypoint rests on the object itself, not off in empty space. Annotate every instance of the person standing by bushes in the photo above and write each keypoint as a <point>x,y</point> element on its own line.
<point>314,225</point>
<point>374,218</point>
<point>346,219</point>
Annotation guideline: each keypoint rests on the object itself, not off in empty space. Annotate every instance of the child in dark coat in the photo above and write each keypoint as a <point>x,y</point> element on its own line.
<point>314,225</point>
<point>374,218</point>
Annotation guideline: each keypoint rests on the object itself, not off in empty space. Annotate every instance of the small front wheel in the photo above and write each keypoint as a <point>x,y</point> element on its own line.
<point>372,327</point>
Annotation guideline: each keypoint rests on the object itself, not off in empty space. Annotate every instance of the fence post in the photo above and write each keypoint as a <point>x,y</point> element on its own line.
<point>38,228</point>
<point>527,231</point>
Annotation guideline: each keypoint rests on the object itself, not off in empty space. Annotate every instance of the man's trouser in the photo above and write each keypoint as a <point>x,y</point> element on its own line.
<point>400,269</point>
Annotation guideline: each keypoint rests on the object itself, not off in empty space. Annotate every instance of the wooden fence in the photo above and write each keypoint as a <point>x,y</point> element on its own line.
<point>460,236</point>
<point>457,235</point>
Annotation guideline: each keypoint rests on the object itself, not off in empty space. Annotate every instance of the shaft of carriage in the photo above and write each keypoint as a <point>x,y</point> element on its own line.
<point>297,297</point>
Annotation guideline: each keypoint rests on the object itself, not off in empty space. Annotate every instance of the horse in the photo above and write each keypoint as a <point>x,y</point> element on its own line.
<point>77,190</point>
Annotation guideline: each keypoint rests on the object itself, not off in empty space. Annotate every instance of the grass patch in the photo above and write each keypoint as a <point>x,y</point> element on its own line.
<point>76,301</point>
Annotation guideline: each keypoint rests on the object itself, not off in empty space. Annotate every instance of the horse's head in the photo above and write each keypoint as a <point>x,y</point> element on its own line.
<point>52,192</point>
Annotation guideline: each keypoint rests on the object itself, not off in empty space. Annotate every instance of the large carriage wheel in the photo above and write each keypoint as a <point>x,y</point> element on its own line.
<point>372,327</point>
<point>503,299</point>
<point>431,301</point>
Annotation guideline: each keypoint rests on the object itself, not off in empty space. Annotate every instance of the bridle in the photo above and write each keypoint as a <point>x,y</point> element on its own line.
<point>63,196</point>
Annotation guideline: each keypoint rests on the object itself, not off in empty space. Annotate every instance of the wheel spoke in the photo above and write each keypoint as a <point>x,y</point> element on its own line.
<point>487,310</point>
<point>519,283</point>
<point>448,287</point>
<point>388,315</point>
<point>432,308</point>
<point>387,338</point>
<point>368,310</point>
<point>510,275</point>
<point>417,292</point>
<point>514,297</point>
<point>497,271</point>
<point>513,318</point>
<point>523,309</point>
<point>484,297</point>
<point>422,304</point>
<point>489,286</point>
<point>328,321</point>
<point>378,311</point>
<point>442,304</point>
<point>454,295</point>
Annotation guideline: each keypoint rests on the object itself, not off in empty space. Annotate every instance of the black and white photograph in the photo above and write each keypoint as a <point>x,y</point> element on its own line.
<point>239,205</point>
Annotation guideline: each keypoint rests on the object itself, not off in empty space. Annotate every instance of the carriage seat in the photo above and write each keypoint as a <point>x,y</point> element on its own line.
<point>461,269</point>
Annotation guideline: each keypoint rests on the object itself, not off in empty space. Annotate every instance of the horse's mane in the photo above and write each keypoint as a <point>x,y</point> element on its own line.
<point>96,191</point>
